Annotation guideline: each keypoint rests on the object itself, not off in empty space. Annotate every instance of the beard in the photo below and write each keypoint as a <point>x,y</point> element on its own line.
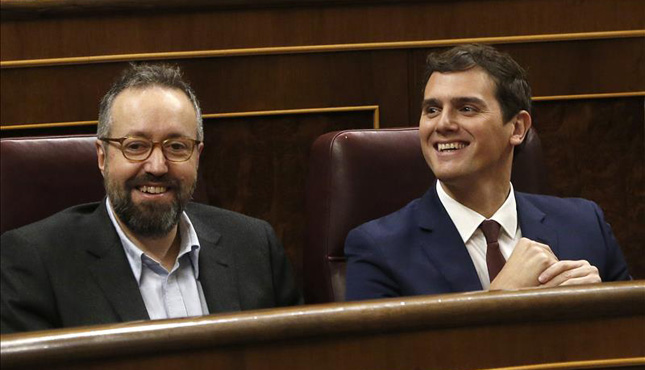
<point>148,219</point>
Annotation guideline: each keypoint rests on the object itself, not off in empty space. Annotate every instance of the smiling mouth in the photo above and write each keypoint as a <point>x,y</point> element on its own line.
<point>449,147</point>
<point>152,189</point>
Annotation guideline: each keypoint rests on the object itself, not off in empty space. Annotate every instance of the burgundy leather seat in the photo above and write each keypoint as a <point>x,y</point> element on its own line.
<point>359,175</point>
<point>43,175</point>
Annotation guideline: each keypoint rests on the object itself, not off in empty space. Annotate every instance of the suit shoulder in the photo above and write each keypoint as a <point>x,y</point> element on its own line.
<point>220,216</point>
<point>557,204</point>
<point>67,220</point>
<point>393,223</point>
<point>58,235</point>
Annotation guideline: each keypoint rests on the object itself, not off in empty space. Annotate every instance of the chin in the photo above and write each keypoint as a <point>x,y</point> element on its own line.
<point>448,177</point>
<point>444,174</point>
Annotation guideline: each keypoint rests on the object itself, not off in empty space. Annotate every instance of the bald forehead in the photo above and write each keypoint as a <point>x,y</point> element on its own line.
<point>151,108</point>
<point>134,95</point>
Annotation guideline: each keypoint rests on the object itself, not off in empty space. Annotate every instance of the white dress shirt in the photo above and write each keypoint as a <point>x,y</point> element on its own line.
<point>467,222</point>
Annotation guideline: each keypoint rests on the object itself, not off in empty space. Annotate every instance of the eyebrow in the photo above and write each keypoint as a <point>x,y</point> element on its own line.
<point>430,102</point>
<point>455,101</point>
<point>142,134</point>
<point>469,100</point>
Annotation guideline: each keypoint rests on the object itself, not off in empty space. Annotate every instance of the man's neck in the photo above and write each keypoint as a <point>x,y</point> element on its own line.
<point>483,198</point>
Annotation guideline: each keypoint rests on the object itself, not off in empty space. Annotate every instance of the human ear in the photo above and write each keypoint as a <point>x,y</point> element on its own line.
<point>521,124</point>
<point>100,154</point>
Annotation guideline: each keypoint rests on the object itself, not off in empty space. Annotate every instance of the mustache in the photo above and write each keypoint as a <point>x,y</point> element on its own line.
<point>147,179</point>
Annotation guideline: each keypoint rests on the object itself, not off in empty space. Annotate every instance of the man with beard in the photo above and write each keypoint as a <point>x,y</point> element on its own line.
<point>145,251</point>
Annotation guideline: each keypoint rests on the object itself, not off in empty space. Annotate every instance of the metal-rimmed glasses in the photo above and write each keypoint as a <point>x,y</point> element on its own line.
<point>138,149</point>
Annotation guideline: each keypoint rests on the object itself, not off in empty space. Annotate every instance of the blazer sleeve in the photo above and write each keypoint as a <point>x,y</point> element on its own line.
<point>26,296</point>
<point>615,268</point>
<point>286,292</point>
<point>367,274</point>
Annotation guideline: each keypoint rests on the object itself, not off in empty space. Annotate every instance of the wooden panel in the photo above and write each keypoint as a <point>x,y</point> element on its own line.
<point>258,166</point>
<point>64,130</point>
<point>72,93</point>
<point>388,78</point>
<point>456,348</point>
<point>597,325</point>
<point>595,149</point>
<point>202,29</point>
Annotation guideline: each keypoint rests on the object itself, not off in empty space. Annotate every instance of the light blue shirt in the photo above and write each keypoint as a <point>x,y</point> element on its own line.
<point>167,294</point>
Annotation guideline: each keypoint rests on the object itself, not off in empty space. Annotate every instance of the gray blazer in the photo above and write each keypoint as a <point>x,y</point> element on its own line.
<point>70,269</point>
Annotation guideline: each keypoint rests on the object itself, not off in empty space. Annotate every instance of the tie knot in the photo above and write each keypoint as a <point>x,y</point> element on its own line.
<point>491,230</point>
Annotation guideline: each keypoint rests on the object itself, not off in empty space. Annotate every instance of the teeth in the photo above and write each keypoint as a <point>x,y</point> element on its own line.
<point>153,189</point>
<point>450,146</point>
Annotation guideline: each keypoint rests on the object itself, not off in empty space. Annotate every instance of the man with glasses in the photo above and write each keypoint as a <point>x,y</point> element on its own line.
<point>146,251</point>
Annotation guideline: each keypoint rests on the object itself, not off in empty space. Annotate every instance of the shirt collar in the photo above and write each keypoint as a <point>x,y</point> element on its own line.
<point>467,221</point>
<point>189,243</point>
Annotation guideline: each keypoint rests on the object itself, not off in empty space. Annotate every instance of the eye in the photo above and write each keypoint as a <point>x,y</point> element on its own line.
<point>431,111</point>
<point>468,109</point>
<point>136,145</point>
<point>177,145</point>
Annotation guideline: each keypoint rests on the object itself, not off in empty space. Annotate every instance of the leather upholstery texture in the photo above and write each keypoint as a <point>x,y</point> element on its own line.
<point>43,175</point>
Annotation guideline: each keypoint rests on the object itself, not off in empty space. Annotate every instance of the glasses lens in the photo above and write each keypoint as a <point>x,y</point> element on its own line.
<point>136,148</point>
<point>178,149</point>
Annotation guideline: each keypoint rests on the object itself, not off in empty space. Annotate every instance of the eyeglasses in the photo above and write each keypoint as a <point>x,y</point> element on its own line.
<point>176,149</point>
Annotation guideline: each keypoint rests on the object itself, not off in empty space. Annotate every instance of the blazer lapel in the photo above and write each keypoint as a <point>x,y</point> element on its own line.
<point>111,269</point>
<point>216,270</point>
<point>443,244</point>
<point>533,223</point>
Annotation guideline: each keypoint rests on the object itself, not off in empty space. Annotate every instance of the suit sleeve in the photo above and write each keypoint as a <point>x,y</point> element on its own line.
<point>27,300</point>
<point>368,275</point>
<point>615,268</point>
<point>285,290</point>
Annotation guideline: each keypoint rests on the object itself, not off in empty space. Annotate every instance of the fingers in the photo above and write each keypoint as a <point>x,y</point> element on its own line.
<point>569,273</point>
<point>560,268</point>
<point>530,247</point>
<point>522,269</point>
<point>534,264</point>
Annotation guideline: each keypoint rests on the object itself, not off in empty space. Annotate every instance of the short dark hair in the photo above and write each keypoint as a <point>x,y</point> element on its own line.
<point>141,76</point>
<point>512,89</point>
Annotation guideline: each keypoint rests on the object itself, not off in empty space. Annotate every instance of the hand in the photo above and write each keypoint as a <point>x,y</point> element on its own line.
<point>569,273</point>
<point>522,269</point>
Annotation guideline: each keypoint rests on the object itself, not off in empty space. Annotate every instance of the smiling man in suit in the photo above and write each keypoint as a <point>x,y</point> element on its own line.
<point>472,231</point>
<point>145,251</point>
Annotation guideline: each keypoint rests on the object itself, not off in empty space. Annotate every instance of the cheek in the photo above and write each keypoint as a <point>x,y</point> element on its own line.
<point>425,129</point>
<point>184,173</point>
<point>118,171</point>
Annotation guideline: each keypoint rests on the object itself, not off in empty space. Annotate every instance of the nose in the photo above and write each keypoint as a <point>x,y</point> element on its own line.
<point>156,164</point>
<point>446,121</point>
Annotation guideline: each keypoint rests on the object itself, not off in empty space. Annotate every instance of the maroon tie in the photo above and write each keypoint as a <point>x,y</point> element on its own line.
<point>494,259</point>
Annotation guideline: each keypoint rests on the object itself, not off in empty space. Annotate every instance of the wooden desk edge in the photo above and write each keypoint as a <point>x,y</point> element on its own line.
<point>623,299</point>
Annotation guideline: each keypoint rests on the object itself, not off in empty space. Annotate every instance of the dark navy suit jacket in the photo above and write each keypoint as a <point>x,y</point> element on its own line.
<point>418,250</point>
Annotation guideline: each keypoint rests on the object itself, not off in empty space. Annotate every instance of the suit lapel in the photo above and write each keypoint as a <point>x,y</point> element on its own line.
<point>533,223</point>
<point>111,269</point>
<point>216,270</point>
<point>443,244</point>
